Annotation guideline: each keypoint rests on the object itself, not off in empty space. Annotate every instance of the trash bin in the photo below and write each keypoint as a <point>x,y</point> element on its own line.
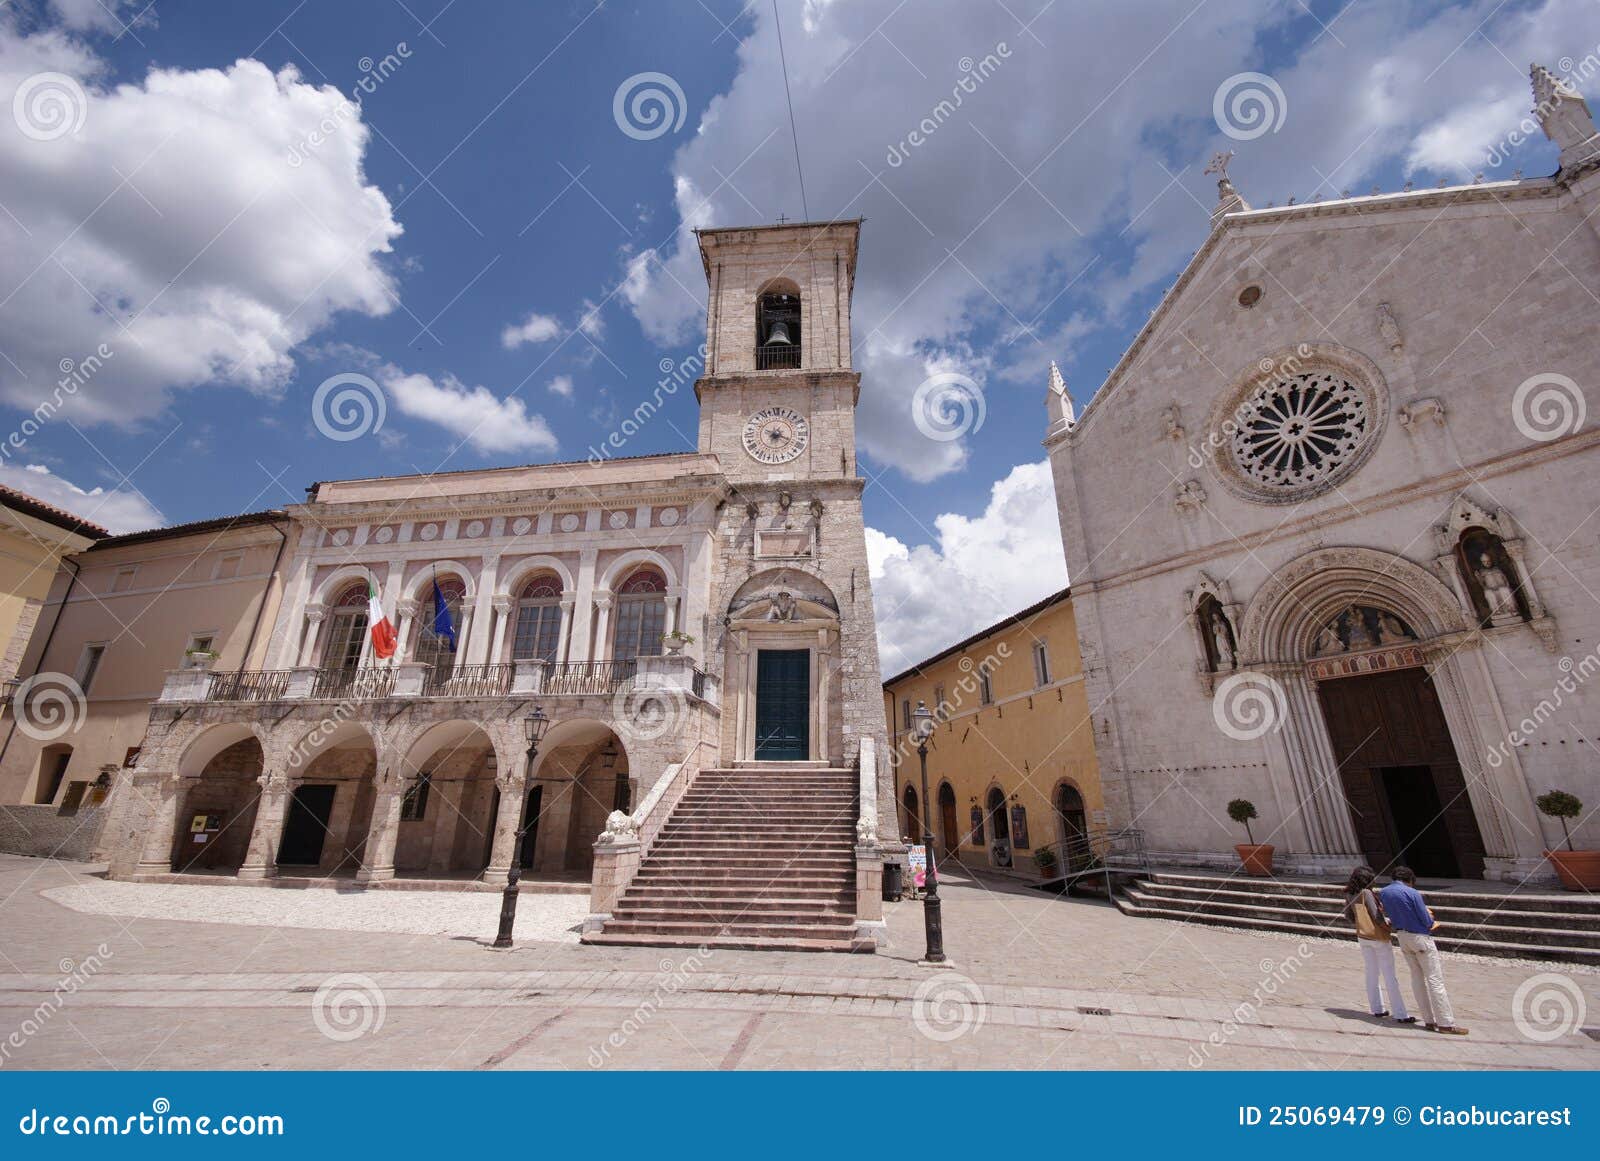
<point>892,888</point>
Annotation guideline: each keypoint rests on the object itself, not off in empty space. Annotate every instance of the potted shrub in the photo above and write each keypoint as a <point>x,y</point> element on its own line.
<point>1578,870</point>
<point>1256,857</point>
<point>674,641</point>
<point>199,658</point>
<point>1045,858</point>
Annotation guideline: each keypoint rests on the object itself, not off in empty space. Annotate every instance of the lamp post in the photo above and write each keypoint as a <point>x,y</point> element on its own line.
<point>932,916</point>
<point>535,726</point>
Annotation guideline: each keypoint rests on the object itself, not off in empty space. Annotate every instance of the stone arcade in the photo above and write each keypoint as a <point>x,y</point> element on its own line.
<point>688,622</point>
<point>1329,527</point>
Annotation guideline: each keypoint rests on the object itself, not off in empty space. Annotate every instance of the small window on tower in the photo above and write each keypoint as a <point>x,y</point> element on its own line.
<point>777,331</point>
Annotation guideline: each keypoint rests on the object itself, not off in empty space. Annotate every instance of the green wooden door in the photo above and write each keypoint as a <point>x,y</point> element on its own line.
<point>783,704</point>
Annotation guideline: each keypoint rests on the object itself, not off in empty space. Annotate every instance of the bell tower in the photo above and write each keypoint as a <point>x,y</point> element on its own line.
<point>792,623</point>
<point>778,398</point>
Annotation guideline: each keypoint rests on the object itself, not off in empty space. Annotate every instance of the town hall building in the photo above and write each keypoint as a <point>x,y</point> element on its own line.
<point>1330,526</point>
<point>695,629</point>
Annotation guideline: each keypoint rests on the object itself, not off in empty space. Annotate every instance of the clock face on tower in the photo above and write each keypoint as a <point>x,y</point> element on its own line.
<point>776,435</point>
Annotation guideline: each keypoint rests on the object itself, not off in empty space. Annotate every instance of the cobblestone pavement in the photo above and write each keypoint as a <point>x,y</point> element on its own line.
<point>1039,982</point>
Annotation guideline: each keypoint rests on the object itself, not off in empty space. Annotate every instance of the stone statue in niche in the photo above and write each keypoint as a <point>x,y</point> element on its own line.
<point>1486,567</point>
<point>1219,636</point>
<point>1221,653</point>
<point>1497,592</point>
<point>782,606</point>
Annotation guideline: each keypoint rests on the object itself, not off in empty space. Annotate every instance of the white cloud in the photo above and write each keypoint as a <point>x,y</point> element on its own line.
<point>561,385</point>
<point>174,227</point>
<point>982,569</point>
<point>590,322</point>
<point>476,414</point>
<point>118,511</point>
<point>537,328</point>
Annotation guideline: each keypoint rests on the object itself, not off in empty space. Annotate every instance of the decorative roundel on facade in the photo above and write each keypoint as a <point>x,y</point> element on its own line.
<point>475,528</point>
<point>1298,423</point>
<point>667,517</point>
<point>617,519</point>
<point>342,536</point>
<point>776,435</point>
<point>1296,432</point>
<point>1249,296</point>
<point>383,535</point>
<point>520,525</point>
<point>429,532</point>
<point>569,522</point>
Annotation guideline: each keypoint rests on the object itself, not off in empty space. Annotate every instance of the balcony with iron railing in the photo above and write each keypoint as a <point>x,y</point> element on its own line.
<point>419,680</point>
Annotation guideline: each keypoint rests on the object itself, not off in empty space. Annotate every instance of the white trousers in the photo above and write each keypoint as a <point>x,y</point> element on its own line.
<point>1377,956</point>
<point>1427,978</point>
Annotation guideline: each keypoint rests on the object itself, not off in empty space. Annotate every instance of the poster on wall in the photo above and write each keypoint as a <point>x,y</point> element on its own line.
<point>1019,827</point>
<point>977,827</point>
<point>917,862</point>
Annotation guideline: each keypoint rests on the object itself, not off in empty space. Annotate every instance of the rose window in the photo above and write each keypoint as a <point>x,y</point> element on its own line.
<point>1299,431</point>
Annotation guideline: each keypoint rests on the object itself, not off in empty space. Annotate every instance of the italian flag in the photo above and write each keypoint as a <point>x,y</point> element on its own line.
<point>384,638</point>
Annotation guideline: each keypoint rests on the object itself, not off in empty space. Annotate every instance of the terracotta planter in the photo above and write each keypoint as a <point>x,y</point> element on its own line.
<point>1578,870</point>
<point>1256,857</point>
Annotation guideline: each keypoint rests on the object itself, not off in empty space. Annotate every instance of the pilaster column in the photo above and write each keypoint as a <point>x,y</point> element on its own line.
<point>477,646</point>
<point>314,618</point>
<point>272,805</point>
<point>564,647</point>
<point>502,614</point>
<point>602,626</point>
<point>406,610</point>
<point>377,860</point>
<point>824,689</point>
<point>164,792</point>
<point>583,607</point>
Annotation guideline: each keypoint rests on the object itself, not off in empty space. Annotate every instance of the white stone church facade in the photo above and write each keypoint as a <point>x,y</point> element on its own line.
<point>1331,528</point>
<point>670,614</point>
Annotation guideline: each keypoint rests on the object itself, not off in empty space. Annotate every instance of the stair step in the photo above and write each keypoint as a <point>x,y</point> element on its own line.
<point>729,943</point>
<point>682,925</point>
<point>742,914</point>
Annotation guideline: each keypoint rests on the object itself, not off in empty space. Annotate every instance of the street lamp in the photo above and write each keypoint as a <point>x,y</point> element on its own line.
<point>535,726</point>
<point>932,918</point>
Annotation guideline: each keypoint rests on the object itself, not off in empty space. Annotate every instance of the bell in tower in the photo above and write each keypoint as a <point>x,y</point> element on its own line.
<point>778,332</point>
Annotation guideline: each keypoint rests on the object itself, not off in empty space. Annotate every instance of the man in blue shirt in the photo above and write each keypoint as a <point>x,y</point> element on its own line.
<point>1413,924</point>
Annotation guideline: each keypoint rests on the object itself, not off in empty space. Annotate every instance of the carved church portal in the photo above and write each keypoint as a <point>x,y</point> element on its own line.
<point>783,704</point>
<point>1408,800</point>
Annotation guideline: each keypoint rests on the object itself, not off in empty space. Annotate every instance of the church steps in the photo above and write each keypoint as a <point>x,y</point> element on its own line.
<point>1482,923</point>
<point>1331,909</point>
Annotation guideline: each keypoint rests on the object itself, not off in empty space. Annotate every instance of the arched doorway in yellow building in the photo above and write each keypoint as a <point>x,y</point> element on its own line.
<point>1000,828</point>
<point>913,820</point>
<point>949,834</point>
<point>1072,822</point>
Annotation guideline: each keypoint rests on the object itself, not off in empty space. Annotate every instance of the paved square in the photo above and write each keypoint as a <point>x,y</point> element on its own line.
<point>1039,982</point>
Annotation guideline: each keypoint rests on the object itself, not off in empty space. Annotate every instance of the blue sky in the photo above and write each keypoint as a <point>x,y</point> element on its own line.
<point>191,215</point>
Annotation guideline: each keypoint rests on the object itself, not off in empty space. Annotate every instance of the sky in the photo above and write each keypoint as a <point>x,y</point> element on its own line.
<point>248,246</point>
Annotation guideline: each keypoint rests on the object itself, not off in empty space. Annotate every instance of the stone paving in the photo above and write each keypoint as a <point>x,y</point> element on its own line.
<point>1039,982</point>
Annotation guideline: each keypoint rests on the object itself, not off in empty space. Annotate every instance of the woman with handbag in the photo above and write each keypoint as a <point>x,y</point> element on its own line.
<point>1377,952</point>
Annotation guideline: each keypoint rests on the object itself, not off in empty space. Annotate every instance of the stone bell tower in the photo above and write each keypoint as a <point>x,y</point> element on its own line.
<point>792,603</point>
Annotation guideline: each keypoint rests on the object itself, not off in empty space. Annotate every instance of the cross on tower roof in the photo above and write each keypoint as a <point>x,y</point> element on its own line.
<point>1219,164</point>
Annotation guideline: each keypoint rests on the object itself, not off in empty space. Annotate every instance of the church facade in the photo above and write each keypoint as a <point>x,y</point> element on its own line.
<point>669,614</point>
<point>1329,526</point>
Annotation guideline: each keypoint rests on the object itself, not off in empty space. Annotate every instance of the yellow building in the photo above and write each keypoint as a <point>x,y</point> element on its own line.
<point>1011,764</point>
<point>34,537</point>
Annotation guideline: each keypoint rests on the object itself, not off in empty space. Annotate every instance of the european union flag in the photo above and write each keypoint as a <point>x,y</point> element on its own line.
<point>443,627</point>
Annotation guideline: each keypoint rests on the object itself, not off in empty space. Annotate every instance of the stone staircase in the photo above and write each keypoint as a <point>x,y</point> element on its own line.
<point>760,857</point>
<point>1524,925</point>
